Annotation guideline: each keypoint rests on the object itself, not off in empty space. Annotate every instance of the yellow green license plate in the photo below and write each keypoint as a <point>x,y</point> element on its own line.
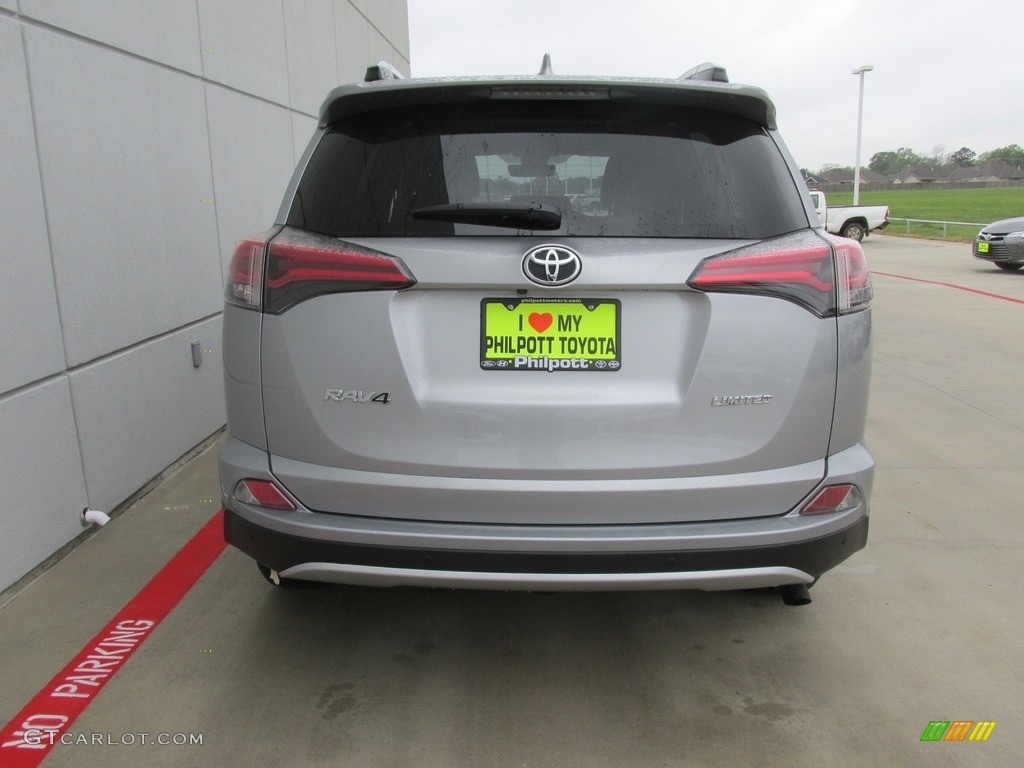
<point>531,334</point>
<point>982,247</point>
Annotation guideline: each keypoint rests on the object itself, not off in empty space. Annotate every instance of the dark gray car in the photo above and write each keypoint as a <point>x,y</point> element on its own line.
<point>1002,243</point>
<point>547,333</point>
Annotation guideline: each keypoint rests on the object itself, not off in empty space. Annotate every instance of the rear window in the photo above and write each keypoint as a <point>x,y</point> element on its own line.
<point>612,170</point>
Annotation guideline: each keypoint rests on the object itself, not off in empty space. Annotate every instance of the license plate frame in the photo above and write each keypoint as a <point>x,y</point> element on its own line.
<point>531,333</point>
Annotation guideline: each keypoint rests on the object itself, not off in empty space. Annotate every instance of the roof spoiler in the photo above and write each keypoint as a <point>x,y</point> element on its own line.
<point>706,71</point>
<point>382,70</point>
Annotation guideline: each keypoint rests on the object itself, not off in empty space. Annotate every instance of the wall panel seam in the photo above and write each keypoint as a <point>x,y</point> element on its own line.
<point>42,194</point>
<point>27,21</point>
<point>43,380</point>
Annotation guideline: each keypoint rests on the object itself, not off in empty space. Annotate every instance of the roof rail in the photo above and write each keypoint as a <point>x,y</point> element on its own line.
<point>706,71</point>
<point>382,71</point>
<point>545,65</point>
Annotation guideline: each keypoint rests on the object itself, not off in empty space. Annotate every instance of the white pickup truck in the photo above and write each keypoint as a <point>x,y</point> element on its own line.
<point>853,221</point>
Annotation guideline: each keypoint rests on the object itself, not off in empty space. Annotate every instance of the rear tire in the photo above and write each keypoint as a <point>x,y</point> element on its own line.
<point>853,230</point>
<point>1008,267</point>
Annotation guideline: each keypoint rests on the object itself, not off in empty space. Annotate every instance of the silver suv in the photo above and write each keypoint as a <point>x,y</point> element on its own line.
<point>547,333</point>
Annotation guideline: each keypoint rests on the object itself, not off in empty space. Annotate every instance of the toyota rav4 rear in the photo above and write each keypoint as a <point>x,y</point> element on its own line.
<point>551,334</point>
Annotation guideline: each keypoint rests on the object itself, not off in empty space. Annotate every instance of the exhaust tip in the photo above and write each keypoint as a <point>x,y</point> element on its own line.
<point>795,594</point>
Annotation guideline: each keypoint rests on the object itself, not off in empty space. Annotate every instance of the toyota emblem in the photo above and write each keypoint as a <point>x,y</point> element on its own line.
<point>552,265</point>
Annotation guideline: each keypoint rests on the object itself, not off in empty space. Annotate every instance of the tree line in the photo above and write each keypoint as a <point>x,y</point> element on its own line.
<point>891,162</point>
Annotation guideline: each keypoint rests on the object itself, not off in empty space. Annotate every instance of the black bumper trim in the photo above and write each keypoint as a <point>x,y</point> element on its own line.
<point>282,551</point>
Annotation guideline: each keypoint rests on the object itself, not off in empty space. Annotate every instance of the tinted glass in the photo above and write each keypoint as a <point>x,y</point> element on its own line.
<point>613,170</point>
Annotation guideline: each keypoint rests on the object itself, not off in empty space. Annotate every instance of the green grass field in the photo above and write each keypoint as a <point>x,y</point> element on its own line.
<point>979,206</point>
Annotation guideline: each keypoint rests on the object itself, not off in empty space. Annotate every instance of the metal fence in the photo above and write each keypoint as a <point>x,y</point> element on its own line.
<point>888,186</point>
<point>931,227</point>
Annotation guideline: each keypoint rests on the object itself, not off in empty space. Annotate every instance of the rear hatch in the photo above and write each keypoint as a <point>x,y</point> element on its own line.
<point>544,294</point>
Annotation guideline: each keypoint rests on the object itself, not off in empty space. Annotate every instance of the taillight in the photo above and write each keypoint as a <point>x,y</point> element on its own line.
<point>799,267</point>
<point>854,276</point>
<point>245,273</point>
<point>834,498</point>
<point>301,265</point>
<point>261,493</point>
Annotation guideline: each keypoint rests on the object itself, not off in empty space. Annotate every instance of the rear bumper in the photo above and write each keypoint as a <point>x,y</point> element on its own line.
<point>732,553</point>
<point>297,557</point>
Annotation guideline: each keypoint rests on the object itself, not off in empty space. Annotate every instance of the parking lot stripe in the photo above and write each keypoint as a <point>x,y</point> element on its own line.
<point>27,739</point>
<point>950,285</point>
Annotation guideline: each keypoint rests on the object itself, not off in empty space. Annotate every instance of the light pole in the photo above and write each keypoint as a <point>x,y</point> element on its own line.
<point>860,115</point>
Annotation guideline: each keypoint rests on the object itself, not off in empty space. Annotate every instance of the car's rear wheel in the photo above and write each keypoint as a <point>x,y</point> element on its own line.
<point>854,231</point>
<point>1008,267</point>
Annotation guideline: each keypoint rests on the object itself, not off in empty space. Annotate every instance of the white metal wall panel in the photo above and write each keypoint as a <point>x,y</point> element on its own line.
<point>163,32</point>
<point>126,174</point>
<point>302,131</point>
<point>312,54</point>
<point>31,346</point>
<point>352,35</point>
<point>243,46</point>
<point>141,409</point>
<point>250,176</point>
<point>41,477</point>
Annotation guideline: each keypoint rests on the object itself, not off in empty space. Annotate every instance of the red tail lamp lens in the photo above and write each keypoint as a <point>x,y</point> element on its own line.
<point>302,265</point>
<point>855,290</point>
<point>796,267</point>
<point>826,276</point>
<point>245,273</point>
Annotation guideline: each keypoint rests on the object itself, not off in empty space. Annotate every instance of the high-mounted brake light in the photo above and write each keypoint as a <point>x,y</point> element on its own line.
<point>561,92</point>
<point>261,493</point>
<point>825,277</point>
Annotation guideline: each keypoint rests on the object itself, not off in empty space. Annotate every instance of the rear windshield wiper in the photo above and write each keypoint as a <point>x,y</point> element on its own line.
<point>515,215</point>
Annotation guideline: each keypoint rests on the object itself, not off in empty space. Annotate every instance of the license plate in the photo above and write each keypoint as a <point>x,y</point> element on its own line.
<point>532,334</point>
<point>982,247</point>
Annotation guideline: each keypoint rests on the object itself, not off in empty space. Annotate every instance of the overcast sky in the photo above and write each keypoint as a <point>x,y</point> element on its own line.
<point>947,73</point>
